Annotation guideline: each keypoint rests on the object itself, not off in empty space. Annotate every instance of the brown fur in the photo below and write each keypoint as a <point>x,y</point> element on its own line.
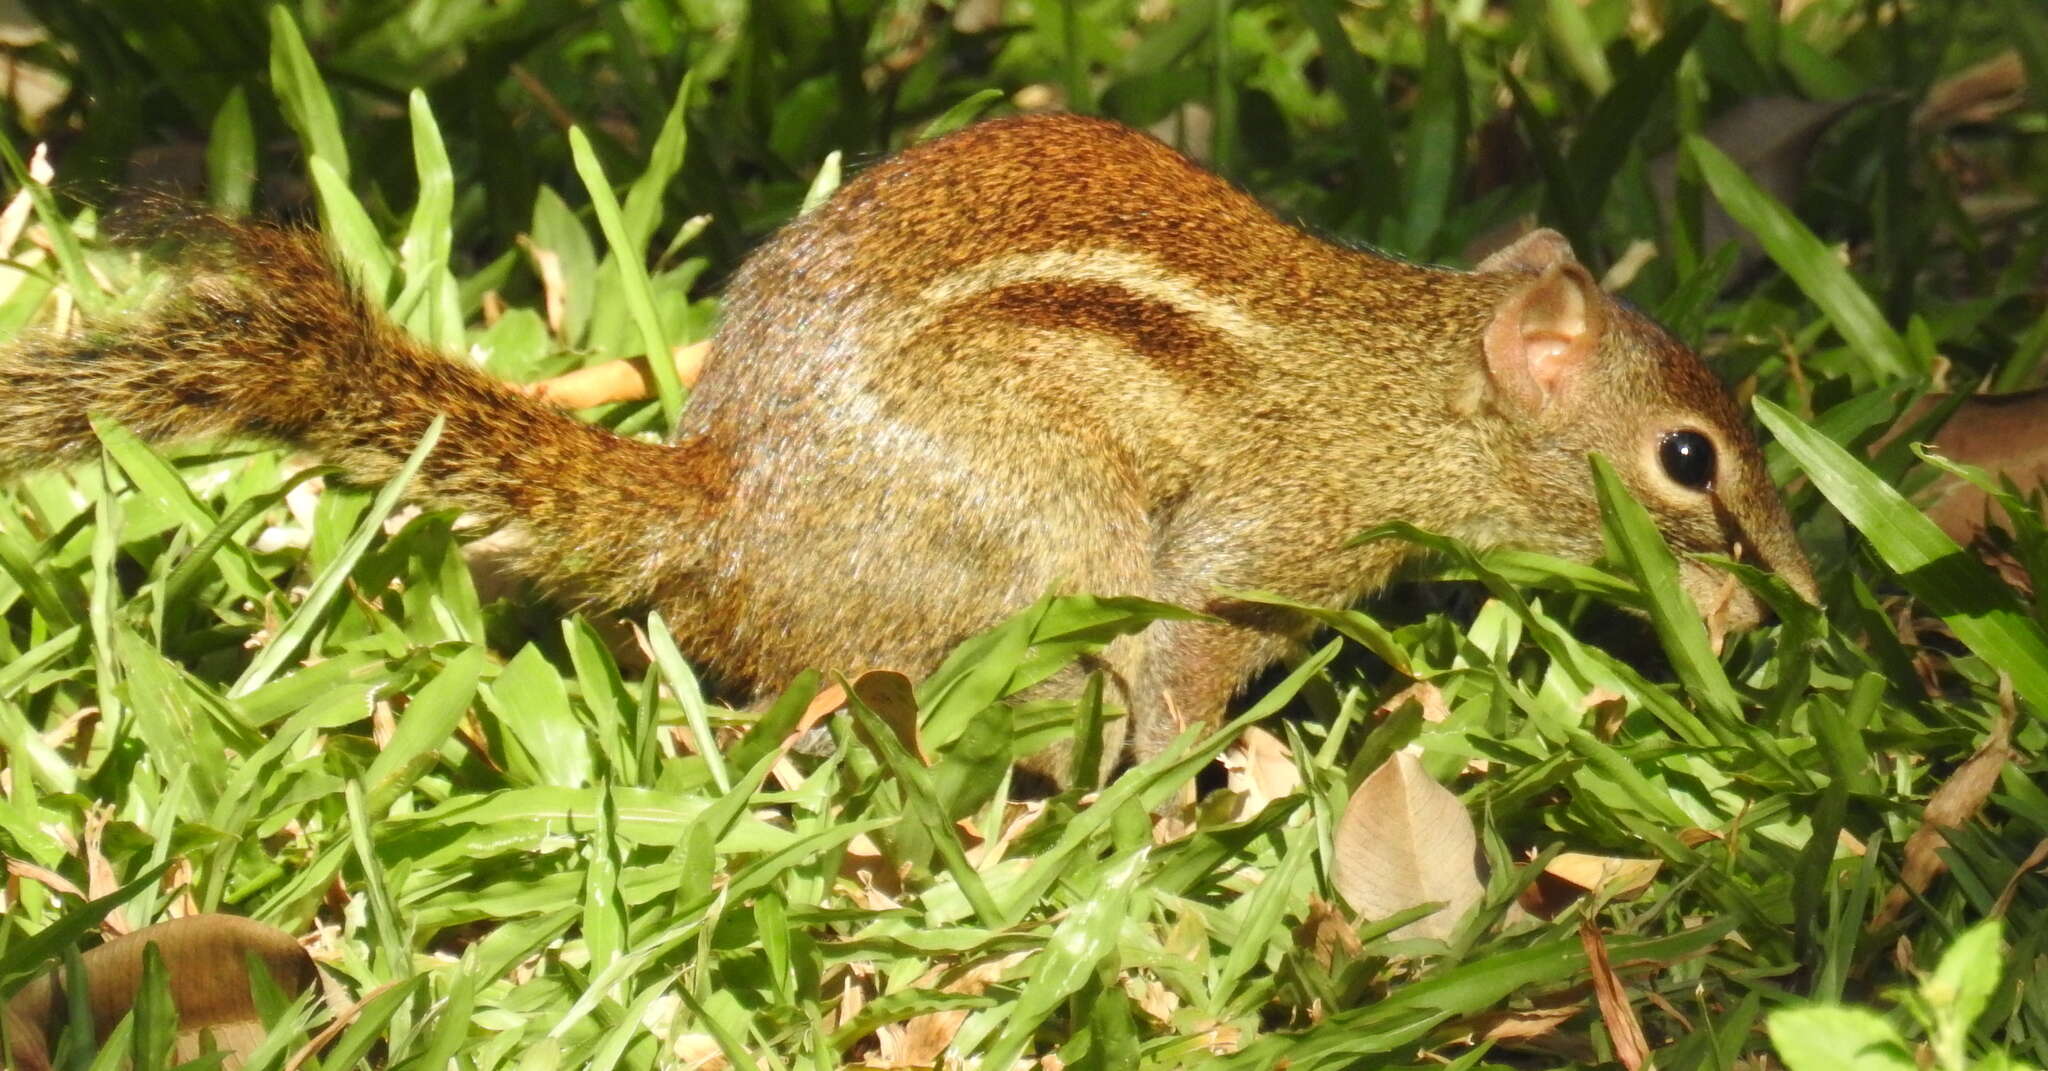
<point>1037,354</point>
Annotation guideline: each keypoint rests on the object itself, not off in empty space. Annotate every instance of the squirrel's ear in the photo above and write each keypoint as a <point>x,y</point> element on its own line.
<point>1543,332</point>
<point>1537,250</point>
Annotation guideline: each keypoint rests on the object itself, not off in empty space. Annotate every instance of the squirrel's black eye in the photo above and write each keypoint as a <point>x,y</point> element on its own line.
<point>1688,458</point>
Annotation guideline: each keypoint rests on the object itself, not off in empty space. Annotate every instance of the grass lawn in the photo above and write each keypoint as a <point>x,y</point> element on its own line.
<point>516,836</point>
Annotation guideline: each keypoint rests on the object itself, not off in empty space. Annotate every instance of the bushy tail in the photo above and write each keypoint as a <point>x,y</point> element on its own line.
<point>261,336</point>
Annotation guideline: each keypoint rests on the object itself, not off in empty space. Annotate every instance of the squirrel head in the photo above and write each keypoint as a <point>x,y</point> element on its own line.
<point>1569,371</point>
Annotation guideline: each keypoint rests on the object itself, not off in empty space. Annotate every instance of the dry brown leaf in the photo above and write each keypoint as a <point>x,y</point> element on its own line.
<point>1404,841</point>
<point>44,876</point>
<point>2004,434</point>
<point>977,16</point>
<point>1423,694</point>
<point>1153,997</point>
<point>1571,875</point>
<point>1524,1025</point>
<point>1623,1028</point>
<point>75,730</point>
<point>31,1052</point>
<point>100,879</point>
<point>829,700</point>
<point>332,1030</point>
<point>2026,869</point>
<point>1976,94</point>
<point>1179,819</point>
<point>205,961</point>
<point>920,1042</point>
<point>1610,875</point>
<point>177,880</point>
<point>1018,816</point>
<point>698,1052</point>
<point>877,885</point>
<point>1622,273</point>
<point>1222,1039</point>
<point>1609,710</point>
<point>554,290</point>
<point>1957,801</point>
<point>1259,769</point>
<point>1655,998</point>
<point>628,379</point>
<point>892,697</point>
<point>1328,935</point>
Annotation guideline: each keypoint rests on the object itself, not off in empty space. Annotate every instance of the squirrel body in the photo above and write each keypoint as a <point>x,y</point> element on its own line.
<point>1037,354</point>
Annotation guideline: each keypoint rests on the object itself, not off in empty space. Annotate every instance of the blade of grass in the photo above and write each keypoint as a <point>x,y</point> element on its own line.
<point>923,803</point>
<point>642,212</point>
<point>298,628</point>
<point>349,229</point>
<point>432,715</point>
<point>1571,33</point>
<point>963,112</point>
<point>1082,940</point>
<point>632,272</point>
<point>683,684</point>
<point>1634,538</point>
<point>1436,138</point>
<point>1808,261</point>
<point>302,94</point>
<point>1977,606</point>
<point>427,305</point>
<point>157,480</point>
<point>823,185</point>
<point>1617,121</point>
<point>231,155</point>
<point>1379,183</point>
<point>1560,190</point>
<point>63,239</point>
<point>387,929</point>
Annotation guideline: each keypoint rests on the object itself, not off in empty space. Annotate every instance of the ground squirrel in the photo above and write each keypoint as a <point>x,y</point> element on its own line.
<point>1037,354</point>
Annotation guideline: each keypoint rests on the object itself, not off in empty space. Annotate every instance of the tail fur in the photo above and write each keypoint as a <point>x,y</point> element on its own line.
<point>262,337</point>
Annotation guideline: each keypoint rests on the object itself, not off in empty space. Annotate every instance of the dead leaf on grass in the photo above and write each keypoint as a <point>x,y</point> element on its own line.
<point>2006,435</point>
<point>628,379</point>
<point>1259,769</point>
<point>554,288</point>
<point>1153,997</point>
<point>206,961</point>
<point>1624,1030</point>
<point>44,876</point>
<point>1328,935</point>
<point>2027,868</point>
<point>1611,875</point>
<point>921,1041</point>
<point>1404,841</point>
<point>892,698</point>
<point>1957,801</point>
<point>1523,1025</point>
<point>1976,94</point>
<point>100,879</point>
<point>1427,697</point>
<point>1568,877</point>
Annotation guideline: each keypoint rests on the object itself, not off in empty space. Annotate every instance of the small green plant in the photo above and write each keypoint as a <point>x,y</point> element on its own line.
<point>1947,1003</point>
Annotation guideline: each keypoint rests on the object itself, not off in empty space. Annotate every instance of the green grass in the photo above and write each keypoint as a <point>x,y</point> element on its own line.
<point>307,709</point>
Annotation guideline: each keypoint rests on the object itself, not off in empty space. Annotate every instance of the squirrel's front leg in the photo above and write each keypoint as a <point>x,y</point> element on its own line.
<point>1193,668</point>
